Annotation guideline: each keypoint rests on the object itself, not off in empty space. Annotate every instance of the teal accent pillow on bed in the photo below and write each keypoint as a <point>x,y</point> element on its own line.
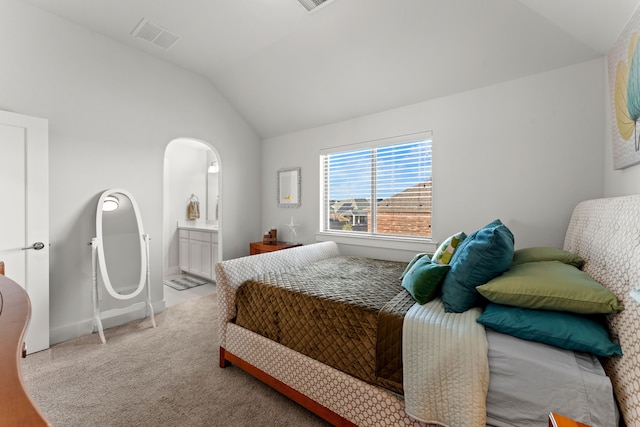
<point>565,330</point>
<point>424,278</point>
<point>542,253</point>
<point>483,255</point>
<point>550,285</point>
<point>445,251</point>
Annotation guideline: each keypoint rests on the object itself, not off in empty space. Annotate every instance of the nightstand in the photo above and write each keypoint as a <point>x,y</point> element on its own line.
<point>556,420</point>
<point>256,248</point>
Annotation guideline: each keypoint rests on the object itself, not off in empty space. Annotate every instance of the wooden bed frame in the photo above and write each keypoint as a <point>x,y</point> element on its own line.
<point>227,359</point>
<point>605,232</point>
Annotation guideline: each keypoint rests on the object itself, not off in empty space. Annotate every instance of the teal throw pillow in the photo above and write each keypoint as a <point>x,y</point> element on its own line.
<point>550,285</point>
<point>565,330</point>
<point>542,253</point>
<point>482,256</point>
<point>445,251</point>
<point>423,279</point>
<point>413,261</point>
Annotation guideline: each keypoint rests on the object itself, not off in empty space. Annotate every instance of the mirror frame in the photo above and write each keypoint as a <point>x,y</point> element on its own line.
<point>101,258</point>
<point>290,198</point>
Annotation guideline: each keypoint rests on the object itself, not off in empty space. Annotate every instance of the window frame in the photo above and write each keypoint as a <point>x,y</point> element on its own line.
<point>372,239</point>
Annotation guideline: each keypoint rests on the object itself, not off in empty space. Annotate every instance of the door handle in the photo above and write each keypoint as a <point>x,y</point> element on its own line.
<point>37,246</point>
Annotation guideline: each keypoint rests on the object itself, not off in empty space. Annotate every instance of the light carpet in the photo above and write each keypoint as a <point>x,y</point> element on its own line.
<point>143,377</point>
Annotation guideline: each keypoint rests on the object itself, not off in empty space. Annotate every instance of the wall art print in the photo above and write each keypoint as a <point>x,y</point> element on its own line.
<point>624,95</point>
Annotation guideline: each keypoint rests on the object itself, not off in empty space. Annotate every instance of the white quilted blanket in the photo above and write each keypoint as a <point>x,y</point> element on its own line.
<point>446,367</point>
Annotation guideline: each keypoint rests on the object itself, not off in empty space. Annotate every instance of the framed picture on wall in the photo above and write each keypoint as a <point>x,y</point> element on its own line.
<point>624,95</point>
<point>289,188</point>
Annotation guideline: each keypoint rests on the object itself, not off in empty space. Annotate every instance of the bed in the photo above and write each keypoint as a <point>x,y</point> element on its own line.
<point>604,233</point>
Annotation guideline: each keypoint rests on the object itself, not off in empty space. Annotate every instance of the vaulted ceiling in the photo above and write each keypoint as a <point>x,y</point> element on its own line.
<point>285,69</point>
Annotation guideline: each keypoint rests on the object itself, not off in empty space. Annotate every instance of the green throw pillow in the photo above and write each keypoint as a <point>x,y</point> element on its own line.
<point>483,255</point>
<point>413,261</point>
<point>423,279</point>
<point>447,248</point>
<point>550,285</point>
<point>542,253</point>
<point>565,330</point>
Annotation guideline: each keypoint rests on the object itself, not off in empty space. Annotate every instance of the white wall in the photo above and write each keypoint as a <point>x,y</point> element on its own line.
<point>524,151</point>
<point>112,111</point>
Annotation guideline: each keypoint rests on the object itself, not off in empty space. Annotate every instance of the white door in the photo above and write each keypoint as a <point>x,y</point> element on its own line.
<point>205,263</point>
<point>195,256</point>
<point>24,215</point>
<point>183,253</point>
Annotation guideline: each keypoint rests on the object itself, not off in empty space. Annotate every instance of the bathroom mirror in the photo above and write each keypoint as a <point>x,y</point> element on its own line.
<point>121,245</point>
<point>289,188</point>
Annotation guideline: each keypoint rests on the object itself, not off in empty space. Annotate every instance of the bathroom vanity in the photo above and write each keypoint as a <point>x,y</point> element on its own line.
<point>198,250</point>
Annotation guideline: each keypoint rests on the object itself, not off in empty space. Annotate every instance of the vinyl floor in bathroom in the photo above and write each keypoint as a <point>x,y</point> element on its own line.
<point>174,296</point>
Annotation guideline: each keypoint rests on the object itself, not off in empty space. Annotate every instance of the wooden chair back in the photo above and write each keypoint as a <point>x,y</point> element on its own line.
<point>16,406</point>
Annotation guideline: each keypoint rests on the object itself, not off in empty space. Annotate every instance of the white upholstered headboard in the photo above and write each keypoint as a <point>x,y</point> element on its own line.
<point>606,233</point>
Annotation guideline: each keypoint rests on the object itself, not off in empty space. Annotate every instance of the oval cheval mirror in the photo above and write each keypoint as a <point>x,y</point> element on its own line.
<point>121,245</point>
<point>122,250</point>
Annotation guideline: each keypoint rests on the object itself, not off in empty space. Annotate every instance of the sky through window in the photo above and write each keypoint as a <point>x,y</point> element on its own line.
<point>397,168</point>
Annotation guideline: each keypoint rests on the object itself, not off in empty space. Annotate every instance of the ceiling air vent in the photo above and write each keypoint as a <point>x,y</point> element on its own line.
<point>312,4</point>
<point>154,34</point>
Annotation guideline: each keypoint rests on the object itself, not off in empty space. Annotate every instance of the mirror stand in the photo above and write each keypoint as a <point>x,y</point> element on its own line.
<point>97,318</point>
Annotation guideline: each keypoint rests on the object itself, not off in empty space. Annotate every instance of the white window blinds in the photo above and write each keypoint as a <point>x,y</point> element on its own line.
<point>383,187</point>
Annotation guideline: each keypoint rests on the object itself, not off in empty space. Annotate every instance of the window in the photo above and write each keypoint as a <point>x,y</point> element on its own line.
<point>382,187</point>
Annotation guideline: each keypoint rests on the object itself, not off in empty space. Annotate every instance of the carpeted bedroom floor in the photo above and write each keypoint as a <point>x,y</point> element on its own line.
<point>167,376</point>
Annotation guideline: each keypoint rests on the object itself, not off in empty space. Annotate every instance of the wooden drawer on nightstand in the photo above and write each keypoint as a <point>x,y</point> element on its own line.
<point>256,248</point>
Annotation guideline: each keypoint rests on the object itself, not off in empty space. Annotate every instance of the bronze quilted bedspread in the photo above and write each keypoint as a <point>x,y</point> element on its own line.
<point>346,312</point>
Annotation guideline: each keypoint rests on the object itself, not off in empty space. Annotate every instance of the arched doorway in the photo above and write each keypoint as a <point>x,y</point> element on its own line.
<point>192,173</point>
